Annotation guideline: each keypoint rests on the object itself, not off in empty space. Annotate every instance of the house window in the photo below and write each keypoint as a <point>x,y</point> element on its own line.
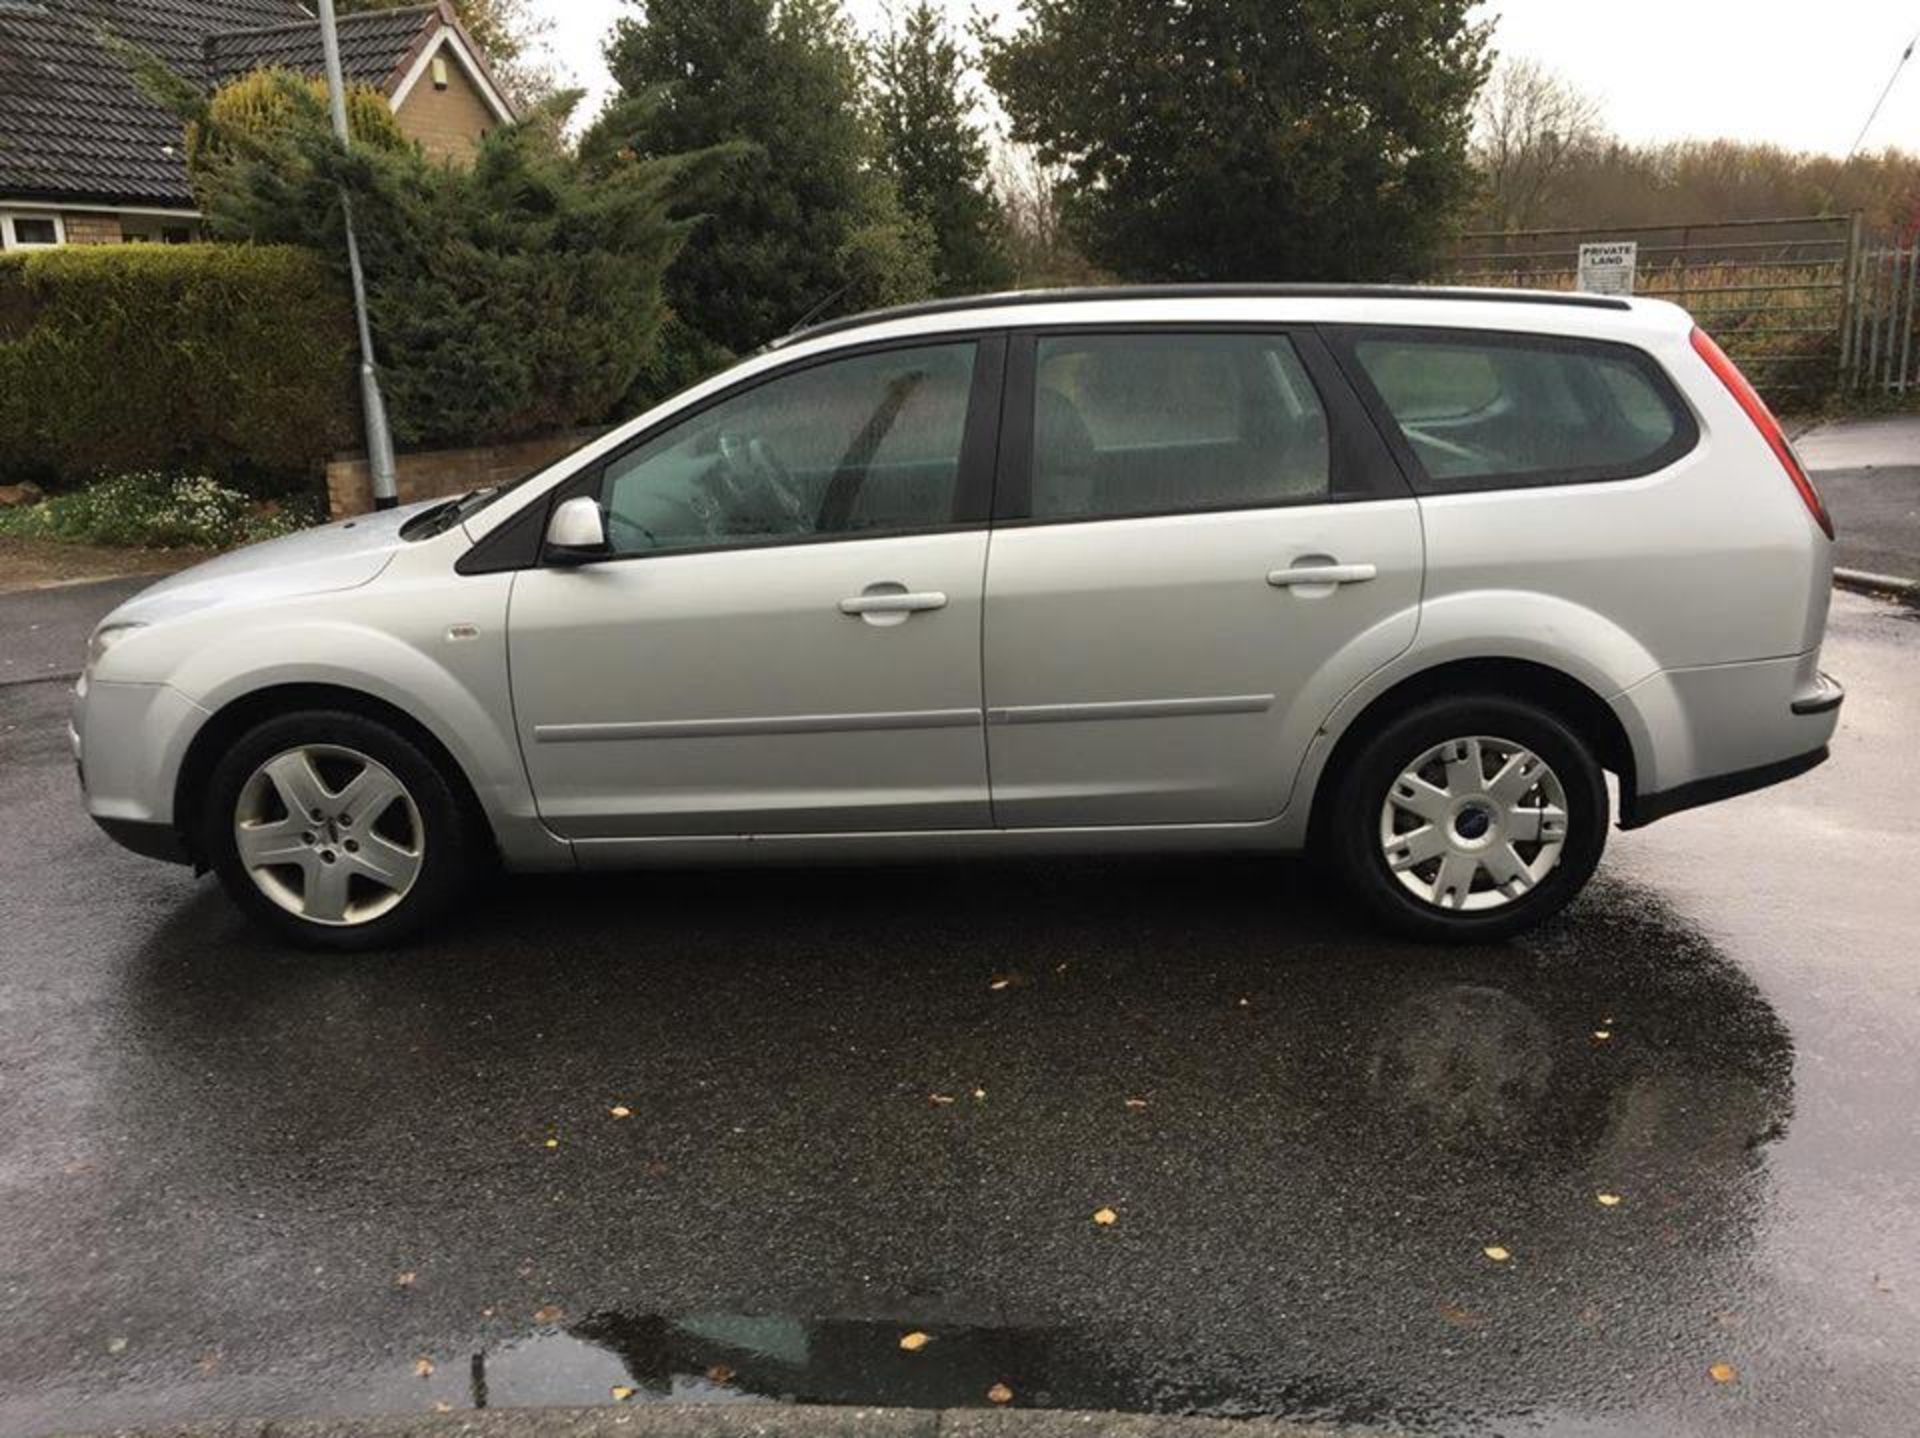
<point>21,232</point>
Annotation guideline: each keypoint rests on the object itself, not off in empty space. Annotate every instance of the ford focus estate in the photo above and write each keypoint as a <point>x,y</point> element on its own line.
<point>1394,576</point>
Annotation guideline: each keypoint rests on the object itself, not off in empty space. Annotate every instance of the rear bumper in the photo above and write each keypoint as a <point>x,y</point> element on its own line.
<point>1639,810</point>
<point>1703,735</point>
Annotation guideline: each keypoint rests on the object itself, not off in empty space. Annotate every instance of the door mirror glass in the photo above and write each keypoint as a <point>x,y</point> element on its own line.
<point>576,533</point>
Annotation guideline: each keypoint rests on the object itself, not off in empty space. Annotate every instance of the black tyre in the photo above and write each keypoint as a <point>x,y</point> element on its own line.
<point>1468,819</point>
<point>336,831</point>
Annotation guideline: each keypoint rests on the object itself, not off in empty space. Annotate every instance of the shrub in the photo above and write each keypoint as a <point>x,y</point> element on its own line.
<point>257,103</point>
<point>517,296</point>
<point>157,511</point>
<point>234,361</point>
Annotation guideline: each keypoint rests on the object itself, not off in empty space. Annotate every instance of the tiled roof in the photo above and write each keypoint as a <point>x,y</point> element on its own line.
<point>375,45</point>
<point>74,125</point>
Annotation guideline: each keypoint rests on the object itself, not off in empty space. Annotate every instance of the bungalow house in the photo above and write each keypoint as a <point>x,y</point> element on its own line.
<point>87,158</point>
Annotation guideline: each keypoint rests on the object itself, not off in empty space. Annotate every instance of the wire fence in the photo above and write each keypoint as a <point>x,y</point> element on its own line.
<point>1805,304</point>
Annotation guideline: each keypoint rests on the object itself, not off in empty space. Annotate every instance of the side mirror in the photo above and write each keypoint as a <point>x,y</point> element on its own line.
<point>576,532</point>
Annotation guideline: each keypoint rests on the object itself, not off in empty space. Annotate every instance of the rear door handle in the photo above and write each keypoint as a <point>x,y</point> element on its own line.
<point>893,603</point>
<point>1306,576</point>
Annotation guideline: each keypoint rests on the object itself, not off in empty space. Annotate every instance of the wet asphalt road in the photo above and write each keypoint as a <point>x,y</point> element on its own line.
<point>233,1180</point>
<point>1868,471</point>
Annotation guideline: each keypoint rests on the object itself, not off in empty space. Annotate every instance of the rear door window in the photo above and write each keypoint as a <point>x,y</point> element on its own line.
<point>1486,411</point>
<point>1169,423</point>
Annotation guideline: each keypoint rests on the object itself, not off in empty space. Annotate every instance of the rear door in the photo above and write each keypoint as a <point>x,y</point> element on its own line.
<point>1194,528</point>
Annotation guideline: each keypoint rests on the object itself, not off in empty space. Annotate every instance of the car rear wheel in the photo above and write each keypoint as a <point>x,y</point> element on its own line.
<point>1469,819</point>
<point>336,831</point>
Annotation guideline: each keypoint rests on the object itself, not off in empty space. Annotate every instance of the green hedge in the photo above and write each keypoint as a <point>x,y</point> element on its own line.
<point>234,361</point>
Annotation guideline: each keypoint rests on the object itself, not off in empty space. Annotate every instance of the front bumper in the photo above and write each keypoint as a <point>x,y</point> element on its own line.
<point>129,741</point>
<point>149,841</point>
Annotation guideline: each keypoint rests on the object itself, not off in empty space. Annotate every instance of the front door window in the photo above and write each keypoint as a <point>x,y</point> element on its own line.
<point>861,446</point>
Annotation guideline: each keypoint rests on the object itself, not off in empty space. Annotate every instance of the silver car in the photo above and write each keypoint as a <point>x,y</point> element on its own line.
<point>1397,576</point>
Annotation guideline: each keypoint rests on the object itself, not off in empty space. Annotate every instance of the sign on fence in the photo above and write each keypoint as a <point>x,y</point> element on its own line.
<point>1607,269</point>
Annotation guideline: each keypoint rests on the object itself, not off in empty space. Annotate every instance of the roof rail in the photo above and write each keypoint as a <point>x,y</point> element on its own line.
<point>1010,299</point>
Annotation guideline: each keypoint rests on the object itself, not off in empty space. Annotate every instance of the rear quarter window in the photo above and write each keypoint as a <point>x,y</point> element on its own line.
<point>1485,411</point>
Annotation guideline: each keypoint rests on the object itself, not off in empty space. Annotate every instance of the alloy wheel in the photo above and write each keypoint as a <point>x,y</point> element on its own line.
<point>329,834</point>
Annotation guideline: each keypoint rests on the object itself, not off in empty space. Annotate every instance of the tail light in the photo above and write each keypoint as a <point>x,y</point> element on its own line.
<point>1748,398</point>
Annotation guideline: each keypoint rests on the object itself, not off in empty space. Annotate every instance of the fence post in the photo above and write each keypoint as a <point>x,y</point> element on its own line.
<point>1907,321</point>
<point>1849,298</point>
<point>1876,271</point>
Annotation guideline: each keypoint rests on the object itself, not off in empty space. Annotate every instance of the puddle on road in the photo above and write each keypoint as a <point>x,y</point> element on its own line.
<point>741,1358</point>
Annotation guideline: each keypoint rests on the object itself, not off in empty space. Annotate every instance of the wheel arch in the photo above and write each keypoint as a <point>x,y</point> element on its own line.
<point>1574,703</point>
<point>257,706</point>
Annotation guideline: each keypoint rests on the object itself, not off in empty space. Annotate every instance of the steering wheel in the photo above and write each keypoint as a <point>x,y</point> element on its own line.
<point>754,460</point>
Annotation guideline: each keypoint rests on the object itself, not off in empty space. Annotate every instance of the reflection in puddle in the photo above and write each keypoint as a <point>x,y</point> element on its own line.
<point>741,1358</point>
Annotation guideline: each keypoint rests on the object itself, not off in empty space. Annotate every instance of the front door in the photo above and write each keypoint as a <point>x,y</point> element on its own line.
<point>786,638</point>
<point>1196,548</point>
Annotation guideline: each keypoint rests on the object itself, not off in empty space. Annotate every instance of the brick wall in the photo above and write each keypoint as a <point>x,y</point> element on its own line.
<point>435,474</point>
<point>92,229</point>
<point>447,123</point>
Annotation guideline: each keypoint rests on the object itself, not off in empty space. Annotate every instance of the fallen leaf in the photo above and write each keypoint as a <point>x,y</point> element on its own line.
<point>404,1280</point>
<point>720,1373</point>
<point>423,1368</point>
<point>1608,1200</point>
<point>116,1346</point>
<point>440,1405</point>
<point>913,1342</point>
<point>553,1143</point>
<point>1136,1103</point>
<point>1496,1253</point>
<point>1000,983</point>
<point>621,1393</point>
<point>210,1361</point>
<point>1602,1035</point>
<point>1723,1373</point>
<point>999,1393</point>
<point>548,1315</point>
<point>940,1098</point>
<point>1459,1317</point>
<point>1246,1003</point>
<point>620,1110</point>
<point>1106,1218</point>
<point>979,1095</point>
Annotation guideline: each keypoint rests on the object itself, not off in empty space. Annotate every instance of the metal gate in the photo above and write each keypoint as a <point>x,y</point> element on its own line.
<point>1779,295</point>
<point>1877,353</point>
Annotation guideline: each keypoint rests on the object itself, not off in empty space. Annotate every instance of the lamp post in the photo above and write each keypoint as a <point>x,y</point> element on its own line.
<point>372,403</point>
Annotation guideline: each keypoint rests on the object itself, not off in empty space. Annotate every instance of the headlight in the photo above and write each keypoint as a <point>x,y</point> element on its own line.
<point>104,638</point>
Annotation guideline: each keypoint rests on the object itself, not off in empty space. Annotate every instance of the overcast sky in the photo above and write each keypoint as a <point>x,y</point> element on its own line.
<point>1801,73</point>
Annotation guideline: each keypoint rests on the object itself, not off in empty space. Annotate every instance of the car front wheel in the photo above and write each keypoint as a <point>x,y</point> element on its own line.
<point>1469,818</point>
<point>336,831</point>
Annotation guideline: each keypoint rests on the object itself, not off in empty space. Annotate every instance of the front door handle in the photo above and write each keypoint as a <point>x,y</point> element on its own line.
<point>893,602</point>
<point>1315,576</point>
